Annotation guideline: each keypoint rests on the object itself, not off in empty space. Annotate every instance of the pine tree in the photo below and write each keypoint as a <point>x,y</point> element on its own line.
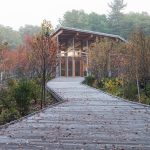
<point>116,15</point>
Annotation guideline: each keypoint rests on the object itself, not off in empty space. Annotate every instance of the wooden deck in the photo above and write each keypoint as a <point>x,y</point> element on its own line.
<point>88,119</point>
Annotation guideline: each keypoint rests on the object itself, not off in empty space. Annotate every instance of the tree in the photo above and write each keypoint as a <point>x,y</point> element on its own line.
<point>97,22</point>
<point>133,20</point>
<point>116,22</point>
<point>12,37</point>
<point>107,58</point>
<point>139,50</point>
<point>3,48</point>
<point>43,57</point>
<point>29,30</point>
<point>21,68</point>
<point>80,19</point>
<point>75,19</point>
<point>99,58</point>
<point>115,16</point>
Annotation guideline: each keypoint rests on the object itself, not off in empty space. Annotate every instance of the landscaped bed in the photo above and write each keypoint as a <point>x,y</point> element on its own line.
<point>20,98</point>
<point>118,87</point>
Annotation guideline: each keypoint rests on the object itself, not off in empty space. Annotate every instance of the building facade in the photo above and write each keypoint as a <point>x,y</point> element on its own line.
<point>72,49</point>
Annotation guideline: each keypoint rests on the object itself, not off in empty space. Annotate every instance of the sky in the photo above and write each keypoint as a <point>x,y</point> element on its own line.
<point>16,13</point>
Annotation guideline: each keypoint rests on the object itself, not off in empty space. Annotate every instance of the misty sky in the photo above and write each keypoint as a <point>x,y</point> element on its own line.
<point>16,13</point>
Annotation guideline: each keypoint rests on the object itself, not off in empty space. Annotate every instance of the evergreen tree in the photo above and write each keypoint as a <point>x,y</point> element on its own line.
<point>116,15</point>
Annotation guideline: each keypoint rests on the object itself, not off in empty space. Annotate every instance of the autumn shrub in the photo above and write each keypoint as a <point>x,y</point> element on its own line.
<point>112,85</point>
<point>11,82</point>
<point>8,115</point>
<point>89,80</point>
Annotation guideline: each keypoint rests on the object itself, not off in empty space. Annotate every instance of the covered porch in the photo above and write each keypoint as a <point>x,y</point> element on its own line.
<point>72,50</point>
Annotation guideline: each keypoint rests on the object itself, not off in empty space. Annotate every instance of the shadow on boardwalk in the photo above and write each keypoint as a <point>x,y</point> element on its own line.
<point>88,119</point>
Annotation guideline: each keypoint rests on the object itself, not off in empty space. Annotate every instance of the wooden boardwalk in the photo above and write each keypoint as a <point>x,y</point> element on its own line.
<point>88,119</point>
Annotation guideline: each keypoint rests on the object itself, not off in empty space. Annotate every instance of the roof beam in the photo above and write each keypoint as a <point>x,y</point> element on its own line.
<point>57,34</point>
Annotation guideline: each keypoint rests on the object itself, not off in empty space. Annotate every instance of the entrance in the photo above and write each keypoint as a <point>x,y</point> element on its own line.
<point>74,67</point>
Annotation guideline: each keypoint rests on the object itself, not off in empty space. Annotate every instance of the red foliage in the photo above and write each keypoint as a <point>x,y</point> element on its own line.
<point>11,59</point>
<point>8,60</point>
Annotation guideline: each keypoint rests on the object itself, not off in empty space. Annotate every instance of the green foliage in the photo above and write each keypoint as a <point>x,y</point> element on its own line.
<point>15,38</point>
<point>118,87</point>
<point>6,99</point>
<point>97,22</point>
<point>10,36</point>
<point>116,22</point>
<point>89,80</point>
<point>15,100</point>
<point>115,16</point>
<point>132,20</point>
<point>145,99</point>
<point>76,19</point>
<point>8,115</point>
<point>80,19</point>
<point>35,90</point>
<point>147,89</point>
<point>130,90</point>
<point>23,92</point>
<point>22,95</point>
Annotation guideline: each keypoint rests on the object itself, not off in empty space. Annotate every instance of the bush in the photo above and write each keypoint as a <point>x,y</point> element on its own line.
<point>112,85</point>
<point>130,91</point>
<point>35,90</point>
<point>89,80</point>
<point>6,99</point>
<point>148,89</point>
<point>144,99</point>
<point>9,115</point>
<point>11,83</point>
<point>16,99</point>
<point>22,94</point>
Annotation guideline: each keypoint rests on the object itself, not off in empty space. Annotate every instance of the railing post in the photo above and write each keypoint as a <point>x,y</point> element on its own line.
<point>73,58</point>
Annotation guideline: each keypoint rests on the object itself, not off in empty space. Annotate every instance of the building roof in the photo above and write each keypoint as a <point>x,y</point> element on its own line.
<point>87,32</point>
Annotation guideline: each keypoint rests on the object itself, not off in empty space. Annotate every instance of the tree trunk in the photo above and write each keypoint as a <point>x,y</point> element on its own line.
<point>44,80</point>
<point>41,96</point>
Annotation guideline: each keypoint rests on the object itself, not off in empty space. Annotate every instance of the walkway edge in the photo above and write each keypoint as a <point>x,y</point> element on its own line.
<point>123,99</point>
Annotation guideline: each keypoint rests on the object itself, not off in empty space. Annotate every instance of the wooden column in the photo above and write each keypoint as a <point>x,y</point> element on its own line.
<point>73,59</point>
<point>60,65</point>
<point>81,69</point>
<point>57,63</point>
<point>59,53</point>
<point>81,64</point>
<point>108,67</point>
<point>67,65</point>
<point>87,61</point>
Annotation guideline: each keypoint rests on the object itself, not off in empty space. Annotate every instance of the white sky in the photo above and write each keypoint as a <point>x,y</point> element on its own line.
<point>16,13</point>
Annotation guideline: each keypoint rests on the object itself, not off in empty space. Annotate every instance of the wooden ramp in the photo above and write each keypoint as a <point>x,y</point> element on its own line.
<point>88,119</point>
